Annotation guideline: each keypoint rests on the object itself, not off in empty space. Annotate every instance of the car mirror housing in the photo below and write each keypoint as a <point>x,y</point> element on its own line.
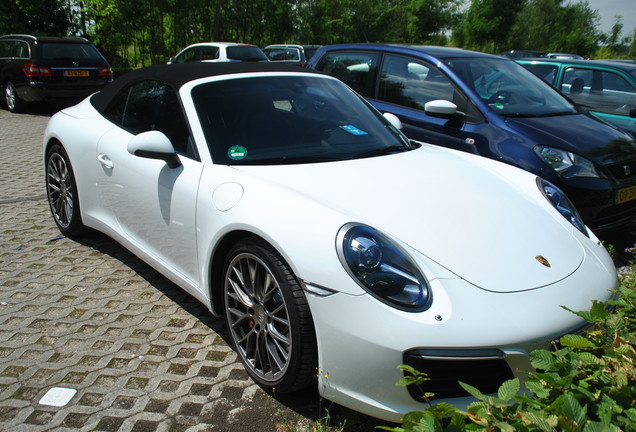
<point>394,120</point>
<point>441,108</point>
<point>154,145</point>
<point>632,112</point>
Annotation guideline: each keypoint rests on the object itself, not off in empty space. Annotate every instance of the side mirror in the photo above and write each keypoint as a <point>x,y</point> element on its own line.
<point>394,120</point>
<point>154,145</point>
<point>632,112</point>
<point>440,108</point>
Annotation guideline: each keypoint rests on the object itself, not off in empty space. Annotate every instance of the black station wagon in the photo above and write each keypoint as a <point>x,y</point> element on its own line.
<point>39,68</point>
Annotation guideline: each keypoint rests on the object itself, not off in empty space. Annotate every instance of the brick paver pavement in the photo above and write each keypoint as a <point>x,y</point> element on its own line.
<point>88,315</point>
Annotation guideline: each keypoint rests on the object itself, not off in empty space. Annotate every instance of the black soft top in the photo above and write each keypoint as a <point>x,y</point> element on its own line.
<point>178,74</point>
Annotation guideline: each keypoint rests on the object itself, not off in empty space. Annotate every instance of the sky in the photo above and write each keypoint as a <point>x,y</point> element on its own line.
<point>608,9</point>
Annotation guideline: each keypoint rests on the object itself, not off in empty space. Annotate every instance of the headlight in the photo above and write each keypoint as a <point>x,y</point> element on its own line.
<point>382,268</point>
<point>562,204</point>
<point>566,164</point>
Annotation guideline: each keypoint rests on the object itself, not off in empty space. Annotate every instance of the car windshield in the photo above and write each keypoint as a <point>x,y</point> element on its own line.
<point>245,53</point>
<point>509,89</point>
<point>278,120</point>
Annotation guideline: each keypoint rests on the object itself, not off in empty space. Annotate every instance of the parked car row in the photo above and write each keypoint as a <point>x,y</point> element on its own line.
<point>40,69</point>
<point>228,51</point>
<point>491,106</point>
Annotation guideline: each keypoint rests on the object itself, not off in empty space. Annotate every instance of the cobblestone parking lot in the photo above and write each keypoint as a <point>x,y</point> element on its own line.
<point>88,315</point>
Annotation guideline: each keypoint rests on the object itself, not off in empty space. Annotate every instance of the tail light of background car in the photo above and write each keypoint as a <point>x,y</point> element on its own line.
<point>105,72</point>
<point>34,71</point>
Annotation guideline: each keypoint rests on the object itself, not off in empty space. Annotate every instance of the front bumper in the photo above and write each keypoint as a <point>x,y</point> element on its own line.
<point>599,200</point>
<point>361,341</point>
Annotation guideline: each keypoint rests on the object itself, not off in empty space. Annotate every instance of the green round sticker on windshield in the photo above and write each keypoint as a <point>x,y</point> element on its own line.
<point>237,152</point>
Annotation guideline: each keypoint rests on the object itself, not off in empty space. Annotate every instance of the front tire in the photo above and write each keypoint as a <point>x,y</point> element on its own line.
<point>61,191</point>
<point>268,318</point>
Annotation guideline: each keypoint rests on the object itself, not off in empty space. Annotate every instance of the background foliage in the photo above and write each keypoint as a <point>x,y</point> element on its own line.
<point>144,32</point>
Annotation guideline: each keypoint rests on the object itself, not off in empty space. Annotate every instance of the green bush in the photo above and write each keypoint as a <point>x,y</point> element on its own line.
<point>587,385</point>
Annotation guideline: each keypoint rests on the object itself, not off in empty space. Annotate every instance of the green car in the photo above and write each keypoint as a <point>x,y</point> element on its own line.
<point>607,88</point>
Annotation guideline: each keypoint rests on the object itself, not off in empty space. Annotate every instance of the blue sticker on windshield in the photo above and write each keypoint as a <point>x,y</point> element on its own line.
<point>353,130</point>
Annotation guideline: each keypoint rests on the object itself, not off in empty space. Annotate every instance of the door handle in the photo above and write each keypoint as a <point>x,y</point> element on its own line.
<point>105,161</point>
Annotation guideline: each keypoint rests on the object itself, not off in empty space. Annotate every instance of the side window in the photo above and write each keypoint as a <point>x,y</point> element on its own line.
<point>619,95</point>
<point>603,91</point>
<point>543,71</point>
<point>275,54</point>
<point>14,49</point>
<point>152,105</point>
<point>411,83</point>
<point>22,50</point>
<point>356,69</point>
<point>207,53</point>
<point>5,49</point>
<point>577,84</point>
<point>292,54</point>
<point>187,56</point>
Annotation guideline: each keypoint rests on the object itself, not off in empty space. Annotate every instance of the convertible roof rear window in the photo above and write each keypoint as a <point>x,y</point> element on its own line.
<point>178,74</point>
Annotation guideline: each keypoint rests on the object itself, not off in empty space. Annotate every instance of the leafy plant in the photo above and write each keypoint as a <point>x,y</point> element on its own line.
<point>586,385</point>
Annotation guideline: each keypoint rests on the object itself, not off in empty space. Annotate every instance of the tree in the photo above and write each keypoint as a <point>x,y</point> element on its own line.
<point>550,25</point>
<point>487,24</point>
<point>613,44</point>
<point>428,20</point>
<point>37,17</point>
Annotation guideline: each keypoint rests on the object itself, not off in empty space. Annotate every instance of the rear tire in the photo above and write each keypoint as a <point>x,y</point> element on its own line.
<point>12,100</point>
<point>61,191</point>
<point>268,318</point>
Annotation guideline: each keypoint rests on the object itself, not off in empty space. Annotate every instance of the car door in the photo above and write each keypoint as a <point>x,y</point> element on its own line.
<point>406,84</point>
<point>152,205</point>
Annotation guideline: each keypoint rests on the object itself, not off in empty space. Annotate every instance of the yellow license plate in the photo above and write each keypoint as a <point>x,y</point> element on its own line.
<point>626,194</point>
<point>76,73</point>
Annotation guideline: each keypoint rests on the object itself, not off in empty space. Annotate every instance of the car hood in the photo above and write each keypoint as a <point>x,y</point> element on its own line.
<point>581,134</point>
<point>485,221</point>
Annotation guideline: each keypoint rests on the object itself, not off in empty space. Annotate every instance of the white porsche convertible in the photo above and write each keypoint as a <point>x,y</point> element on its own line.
<point>336,248</point>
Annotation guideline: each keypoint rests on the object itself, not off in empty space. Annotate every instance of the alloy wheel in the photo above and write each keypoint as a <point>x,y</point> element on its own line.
<point>60,190</point>
<point>257,316</point>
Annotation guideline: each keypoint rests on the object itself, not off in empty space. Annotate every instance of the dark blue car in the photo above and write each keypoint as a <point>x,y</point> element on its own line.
<point>491,106</point>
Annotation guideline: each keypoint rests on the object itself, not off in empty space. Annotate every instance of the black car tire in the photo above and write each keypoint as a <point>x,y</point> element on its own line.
<point>268,317</point>
<point>61,191</point>
<point>12,100</point>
